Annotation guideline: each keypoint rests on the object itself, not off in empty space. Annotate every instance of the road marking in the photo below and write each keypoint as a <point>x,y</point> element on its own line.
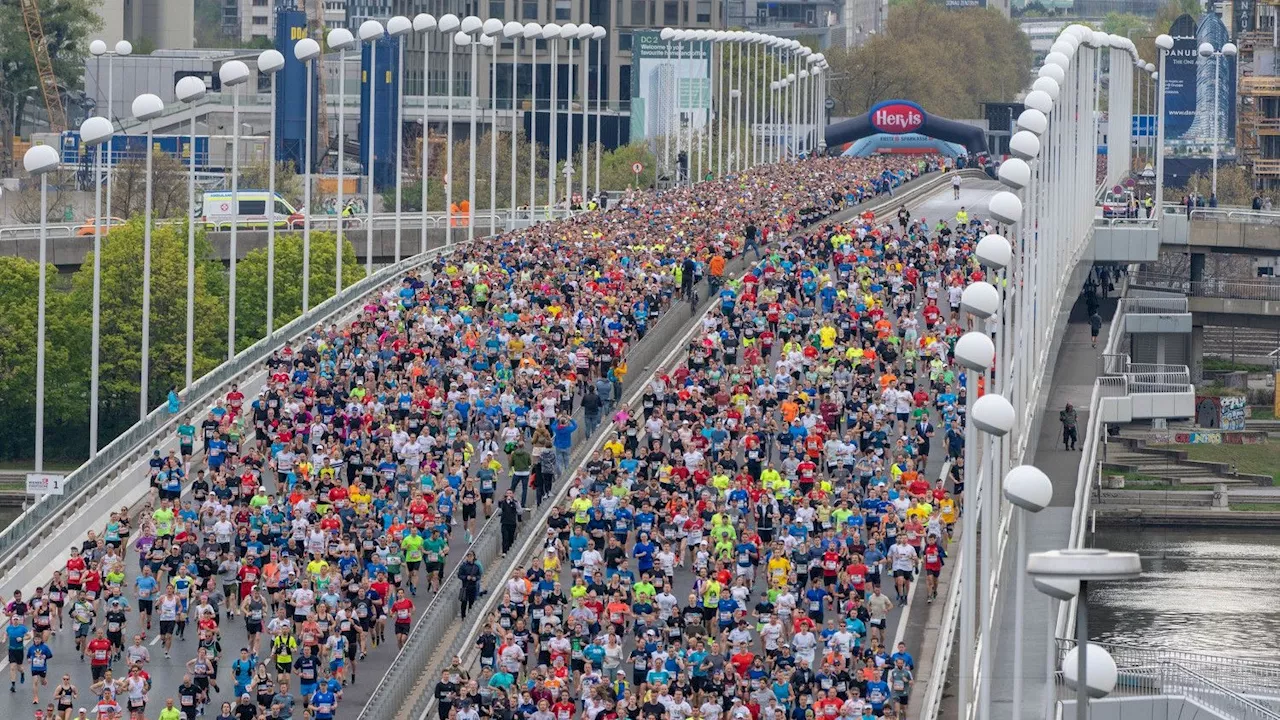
<point>905,616</point>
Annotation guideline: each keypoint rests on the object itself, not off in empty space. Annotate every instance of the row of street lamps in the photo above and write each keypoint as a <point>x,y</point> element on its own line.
<point>796,100</point>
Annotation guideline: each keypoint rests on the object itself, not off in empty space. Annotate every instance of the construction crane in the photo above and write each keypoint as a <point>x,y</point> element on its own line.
<point>316,24</point>
<point>44,66</point>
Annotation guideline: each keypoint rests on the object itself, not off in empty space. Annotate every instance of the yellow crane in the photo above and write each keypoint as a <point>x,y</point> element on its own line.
<point>44,66</point>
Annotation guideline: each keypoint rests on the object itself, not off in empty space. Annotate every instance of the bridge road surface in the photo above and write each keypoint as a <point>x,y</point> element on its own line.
<point>905,623</point>
<point>166,673</point>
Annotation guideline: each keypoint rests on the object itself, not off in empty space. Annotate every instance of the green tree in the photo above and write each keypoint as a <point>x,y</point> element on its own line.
<point>168,187</point>
<point>19,283</point>
<point>411,193</point>
<point>256,176</point>
<point>67,25</point>
<point>957,60</point>
<point>121,317</point>
<point>251,282</point>
<point>615,167</point>
<point>1235,186</point>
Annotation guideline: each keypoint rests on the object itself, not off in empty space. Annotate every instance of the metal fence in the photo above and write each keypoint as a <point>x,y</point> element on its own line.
<point>1241,689</point>
<point>1157,305</point>
<point>53,511</point>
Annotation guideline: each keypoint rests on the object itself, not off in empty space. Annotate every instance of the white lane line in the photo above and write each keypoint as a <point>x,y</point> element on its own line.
<point>903,618</point>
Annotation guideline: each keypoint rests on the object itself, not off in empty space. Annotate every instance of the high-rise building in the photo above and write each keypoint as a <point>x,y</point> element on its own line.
<point>1258,128</point>
<point>619,18</point>
<point>168,24</point>
<point>257,18</point>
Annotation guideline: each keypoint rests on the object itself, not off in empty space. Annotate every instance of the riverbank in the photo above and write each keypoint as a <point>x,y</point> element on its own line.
<point>1173,516</point>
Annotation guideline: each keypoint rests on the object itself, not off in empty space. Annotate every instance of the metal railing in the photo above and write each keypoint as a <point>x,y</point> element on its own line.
<point>1237,215</point>
<point>1230,289</point>
<point>51,512</point>
<point>381,221</point>
<point>1226,685</point>
<point>1154,305</point>
<point>436,634</point>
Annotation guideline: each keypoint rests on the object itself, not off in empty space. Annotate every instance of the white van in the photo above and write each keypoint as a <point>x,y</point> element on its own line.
<point>216,213</point>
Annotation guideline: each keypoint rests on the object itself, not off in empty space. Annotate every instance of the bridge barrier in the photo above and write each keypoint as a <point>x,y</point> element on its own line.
<point>103,483</point>
<point>404,690</point>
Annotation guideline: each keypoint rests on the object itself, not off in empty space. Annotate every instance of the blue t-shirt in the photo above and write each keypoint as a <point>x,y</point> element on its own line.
<point>17,636</point>
<point>39,655</point>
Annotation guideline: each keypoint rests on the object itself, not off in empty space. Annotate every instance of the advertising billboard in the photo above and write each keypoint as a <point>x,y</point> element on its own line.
<point>670,84</point>
<point>1199,91</point>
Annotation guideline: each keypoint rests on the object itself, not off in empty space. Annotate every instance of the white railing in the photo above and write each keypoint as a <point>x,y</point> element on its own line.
<point>1156,305</point>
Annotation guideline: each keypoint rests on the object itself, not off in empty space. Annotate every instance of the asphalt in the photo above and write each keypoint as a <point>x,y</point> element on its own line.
<point>906,622</point>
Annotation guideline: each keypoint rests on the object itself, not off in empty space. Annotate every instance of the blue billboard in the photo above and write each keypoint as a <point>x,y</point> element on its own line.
<point>386,86</point>
<point>291,93</point>
<point>1200,92</point>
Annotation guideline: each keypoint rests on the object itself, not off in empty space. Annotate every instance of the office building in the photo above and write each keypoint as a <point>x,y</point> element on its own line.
<point>158,23</point>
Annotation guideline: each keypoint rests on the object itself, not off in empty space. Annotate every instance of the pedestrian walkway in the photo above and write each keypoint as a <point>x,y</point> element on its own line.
<point>1074,374</point>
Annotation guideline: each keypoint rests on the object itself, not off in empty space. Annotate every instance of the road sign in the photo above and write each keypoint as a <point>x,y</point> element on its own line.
<point>1144,126</point>
<point>44,484</point>
<point>637,168</point>
<point>830,103</point>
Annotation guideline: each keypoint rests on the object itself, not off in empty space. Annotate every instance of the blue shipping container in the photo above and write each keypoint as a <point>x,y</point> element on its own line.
<point>291,94</point>
<point>387,98</point>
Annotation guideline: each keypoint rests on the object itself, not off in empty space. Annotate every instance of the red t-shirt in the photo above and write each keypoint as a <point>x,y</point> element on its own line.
<point>99,651</point>
<point>402,610</point>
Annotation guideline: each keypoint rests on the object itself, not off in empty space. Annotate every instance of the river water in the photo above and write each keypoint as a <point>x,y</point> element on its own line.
<point>1201,590</point>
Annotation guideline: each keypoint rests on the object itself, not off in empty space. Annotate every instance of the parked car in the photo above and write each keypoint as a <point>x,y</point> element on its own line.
<point>106,223</point>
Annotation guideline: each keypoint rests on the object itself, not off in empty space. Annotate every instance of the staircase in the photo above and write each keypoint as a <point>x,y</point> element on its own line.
<point>1169,468</point>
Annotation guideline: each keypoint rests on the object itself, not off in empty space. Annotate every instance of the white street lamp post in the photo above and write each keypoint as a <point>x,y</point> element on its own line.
<point>447,25</point>
<point>399,27</point>
<point>94,132</point>
<point>342,40</point>
<point>533,31</point>
<point>188,90</point>
<point>233,74</point>
<point>492,28</point>
<point>585,33</point>
<point>371,31</point>
<point>1206,50</point>
<point>513,32</point>
<point>39,160</point>
<point>568,31</point>
<point>470,25</point>
<point>667,35</point>
<point>598,35</point>
<point>269,62</point>
<point>551,31</point>
<point>422,23</point>
<point>307,50</point>
<point>146,107</point>
<point>98,48</point>
<point>1028,488</point>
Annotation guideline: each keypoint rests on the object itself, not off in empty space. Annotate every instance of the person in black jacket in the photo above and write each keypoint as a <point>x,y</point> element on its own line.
<point>508,517</point>
<point>591,406</point>
<point>469,573</point>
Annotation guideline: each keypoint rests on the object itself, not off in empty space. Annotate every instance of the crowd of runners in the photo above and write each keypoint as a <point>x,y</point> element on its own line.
<point>737,547</point>
<point>317,510</point>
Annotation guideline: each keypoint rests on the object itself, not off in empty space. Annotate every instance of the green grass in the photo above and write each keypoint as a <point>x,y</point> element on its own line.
<point>1249,459</point>
<point>49,466</point>
<point>1262,412</point>
<point>1225,365</point>
<point>1256,507</point>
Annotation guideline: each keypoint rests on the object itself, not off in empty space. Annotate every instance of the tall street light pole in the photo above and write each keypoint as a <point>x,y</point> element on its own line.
<point>342,40</point>
<point>399,28</point>
<point>1207,50</point>
<point>146,107</point>
<point>598,35</point>
<point>513,31</point>
<point>532,32</point>
<point>40,160</point>
<point>422,23</point>
<point>470,26</point>
<point>585,33</point>
<point>307,50</point>
<point>98,48</point>
<point>233,74</point>
<point>550,32</point>
<point>371,31</point>
<point>94,133</point>
<point>491,29</point>
<point>270,62</point>
<point>1164,43</point>
<point>448,24</point>
<point>188,90</point>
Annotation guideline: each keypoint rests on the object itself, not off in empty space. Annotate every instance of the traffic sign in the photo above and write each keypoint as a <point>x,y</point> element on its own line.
<point>637,168</point>
<point>44,484</point>
<point>830,103</point>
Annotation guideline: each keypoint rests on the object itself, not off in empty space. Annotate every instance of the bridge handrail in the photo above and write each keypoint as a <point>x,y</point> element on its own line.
<point>52,511</point>
<point>1157,305</point>
<point>1151,671</point>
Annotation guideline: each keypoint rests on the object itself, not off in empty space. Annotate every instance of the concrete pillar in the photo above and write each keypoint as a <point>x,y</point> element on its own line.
<point>1197,267</point>
<point>1160,346</point>
<point>1195,358</point>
